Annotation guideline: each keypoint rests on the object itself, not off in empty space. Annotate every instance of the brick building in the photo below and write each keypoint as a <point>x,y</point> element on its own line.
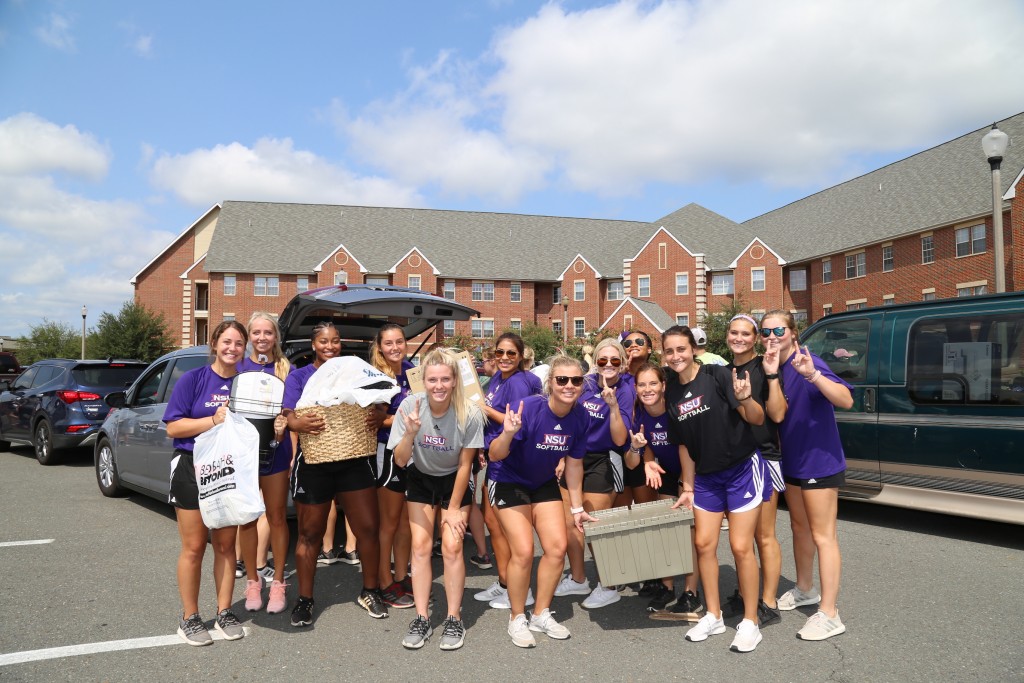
<point>916,229</point>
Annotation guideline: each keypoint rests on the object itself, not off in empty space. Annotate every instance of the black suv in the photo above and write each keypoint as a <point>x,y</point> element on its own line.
<point>58,404</point>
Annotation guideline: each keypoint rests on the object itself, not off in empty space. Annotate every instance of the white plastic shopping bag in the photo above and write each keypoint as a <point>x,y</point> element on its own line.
<point>227,471</point>
<point>347,379</point>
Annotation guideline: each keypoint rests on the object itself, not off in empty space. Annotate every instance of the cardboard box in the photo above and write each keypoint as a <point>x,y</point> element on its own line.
<point>649,541</point>
<point>467,373</point>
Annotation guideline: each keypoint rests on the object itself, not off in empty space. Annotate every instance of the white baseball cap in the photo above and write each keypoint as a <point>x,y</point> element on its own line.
<point>699,336</point>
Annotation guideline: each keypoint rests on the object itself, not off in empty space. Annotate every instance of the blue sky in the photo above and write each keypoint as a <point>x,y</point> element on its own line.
<point>123,122</point>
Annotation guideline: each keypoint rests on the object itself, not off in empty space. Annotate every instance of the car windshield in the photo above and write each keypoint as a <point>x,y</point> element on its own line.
<point>107,376</point>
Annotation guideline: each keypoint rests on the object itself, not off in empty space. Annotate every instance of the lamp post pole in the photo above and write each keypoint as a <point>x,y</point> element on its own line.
<point>565,319</point>
<point>994,145</point>
<point>85,312</point>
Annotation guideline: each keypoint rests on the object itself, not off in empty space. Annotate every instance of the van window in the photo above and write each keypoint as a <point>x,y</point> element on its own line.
<point>181,366</point>
<point>844,346</point>
<point>148,392</point>
<point>967,360</point>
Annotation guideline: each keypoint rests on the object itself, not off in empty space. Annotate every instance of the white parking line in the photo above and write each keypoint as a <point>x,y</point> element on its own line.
<point>93,648</point>
<point>41,541</point>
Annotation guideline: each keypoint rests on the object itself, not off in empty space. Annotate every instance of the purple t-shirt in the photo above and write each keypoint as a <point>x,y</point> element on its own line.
<point>384,433</point>
<point>199,393</point>
<point>809,435</point>
<point>656,433</point>
<point>540,443</point>
<point>502,392</point>
<point>599,430</point>
<point>294,385</point>
<point>284,448</point>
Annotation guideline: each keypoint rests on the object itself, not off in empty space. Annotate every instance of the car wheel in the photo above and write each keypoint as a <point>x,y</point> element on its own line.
<point>42,440</point>
<point>106,470</point>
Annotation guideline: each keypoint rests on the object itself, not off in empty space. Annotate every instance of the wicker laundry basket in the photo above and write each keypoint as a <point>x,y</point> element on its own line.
<point>344,438</point>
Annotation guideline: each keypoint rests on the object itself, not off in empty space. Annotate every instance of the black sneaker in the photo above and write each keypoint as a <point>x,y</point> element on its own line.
<point>649,588</point>
<point>395,596</point>
<point>437,548</point>
<point>687,608</point>
<point>733,607</point>
<point>370,600</point>
<point>348,557</point>
<point>302,615</point>
<point>481,561</point>
<point>766,615</point>
<point>327,557</point>
<point>660,599</point>
<point>239,569</point>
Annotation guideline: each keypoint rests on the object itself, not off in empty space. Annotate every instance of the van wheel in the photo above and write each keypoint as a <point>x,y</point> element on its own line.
<point>42,440</point>
<point>106,470</point>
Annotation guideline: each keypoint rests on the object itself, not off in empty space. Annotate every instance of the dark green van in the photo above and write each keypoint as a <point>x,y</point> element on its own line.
<point>938,417</point>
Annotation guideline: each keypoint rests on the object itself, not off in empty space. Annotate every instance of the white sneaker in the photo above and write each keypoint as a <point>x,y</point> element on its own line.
<point>502,601</point>
<point>545,623</point>
<point>493,591</point>
<point>519,631</point>
<point>567,586</point>
<point>795,597</point>
<point>601,597</point>
<point>709,625</point>
<point>748,635</point>
<point>820,626</point>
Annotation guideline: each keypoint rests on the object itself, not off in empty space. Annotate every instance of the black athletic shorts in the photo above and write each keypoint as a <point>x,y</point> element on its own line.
<point>184,492</point>
<point>669,485</point>
<point>316,484</point>
<point>503,495</point>
<point>830,482</point>
<point>433,490</point>
<point>387,472</point>
<point>636,476</point>
<point>602,473</point>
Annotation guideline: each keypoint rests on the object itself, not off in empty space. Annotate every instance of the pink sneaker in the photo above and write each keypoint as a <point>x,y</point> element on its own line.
<point>276,602</point>
<point>254,595</point>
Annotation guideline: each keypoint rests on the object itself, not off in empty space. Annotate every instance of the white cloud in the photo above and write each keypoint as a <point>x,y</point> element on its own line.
<point>31,144</point>
<point>271,170</point>
<point>57,32</point>
<point>143,46</point>
<point>138,42</point>
<point>622,95</point>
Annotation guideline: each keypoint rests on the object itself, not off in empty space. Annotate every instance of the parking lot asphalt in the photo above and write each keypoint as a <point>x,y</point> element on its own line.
<point>925,597</point>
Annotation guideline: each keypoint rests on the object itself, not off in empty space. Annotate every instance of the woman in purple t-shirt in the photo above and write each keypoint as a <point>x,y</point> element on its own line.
<point>198,403</point>
<point>535,437</point>
<point>814,467</point>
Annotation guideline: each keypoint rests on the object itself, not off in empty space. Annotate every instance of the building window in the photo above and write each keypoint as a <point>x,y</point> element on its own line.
<point>516,292</point>
<point>888,299</point>
<point>579,328</point>
<point>415,281</point>
<point>683,319</point>
<point>928,296</point>
<point>826,309</point>
<point>449,289</point>
<point>643,286</point>
<point>757,279</point>
<point>341,278</point>
<point>856,266</point>
<point>856,305</point>
<point>615,290</point>
<point>516,324</point>
<point>682,284</point>
<point>229,316</point>
<point>266,285</point>
<point>826,271</point>
<point>662,256</point>
<point>556,295</point>
<point>721,284</point>
<point>378,280</point>
<point>887,259</point>
<point>970,240</point>
<point>483,291</point>
<point>927,249</point>
<point>229,285</point>
<point>800,316</point>
<point>976,290</point>
<point>579,290</point>
<point>556,327</point>
<point>449,328</point>
<point>798,280</point>
<point>481,329</point>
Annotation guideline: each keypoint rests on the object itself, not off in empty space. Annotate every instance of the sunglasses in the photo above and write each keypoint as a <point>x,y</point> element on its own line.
<point>502,353</point>
<point>616,362</point>
<point>562,380</point>
<point>629,342</point>
<point>768,331</point>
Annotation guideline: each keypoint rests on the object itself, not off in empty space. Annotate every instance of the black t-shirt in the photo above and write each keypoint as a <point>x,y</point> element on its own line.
<point>768,433</point>
<point>705,420</point>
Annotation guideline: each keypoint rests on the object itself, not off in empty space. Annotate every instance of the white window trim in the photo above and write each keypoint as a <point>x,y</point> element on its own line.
<point>764,281</point>
<point>929,290</point>
<point>419,282</point>
<point>682,315</point>
<point>483,290</point>
<point>687,274</point>
<point>576,294</point>
<point>974,283</point>
<point>579,320</point>
<point>639,293</point>
<point>856,301</point>
<point>234,285</point>
<point>511,289</point>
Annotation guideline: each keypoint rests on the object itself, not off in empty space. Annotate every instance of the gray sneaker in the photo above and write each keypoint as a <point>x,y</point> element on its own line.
<point>453,634</point>
<point>193,631</point>
<point>229,625</point>
<point>419,631</point>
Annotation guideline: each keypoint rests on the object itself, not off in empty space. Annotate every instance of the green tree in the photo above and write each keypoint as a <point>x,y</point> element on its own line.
<point>49,339</point>
<point>716,325</point>
<point>541,339</point>
<point>135,332</point>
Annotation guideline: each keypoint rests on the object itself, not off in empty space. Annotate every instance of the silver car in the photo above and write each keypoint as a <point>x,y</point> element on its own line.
<point>133,450</point>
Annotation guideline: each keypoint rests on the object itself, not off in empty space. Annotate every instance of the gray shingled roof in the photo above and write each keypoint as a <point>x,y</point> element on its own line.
<point>655,313</point>
<point>930,189</point>
<point>704,231</point>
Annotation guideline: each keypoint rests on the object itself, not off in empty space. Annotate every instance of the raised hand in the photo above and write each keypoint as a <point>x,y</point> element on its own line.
<point>771,357</point>
<point>802,362</point>
<point>741,386</point>
<point>513,421</point>
<point>608,393</point>
<point>412,421</point>
<point>637,439</point>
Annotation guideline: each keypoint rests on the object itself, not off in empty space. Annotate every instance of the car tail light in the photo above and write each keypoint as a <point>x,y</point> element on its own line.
<point>74,429</point>
<point>70,397</point>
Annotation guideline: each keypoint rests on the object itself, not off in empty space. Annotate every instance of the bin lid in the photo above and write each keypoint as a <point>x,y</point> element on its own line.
<point>655,513</point>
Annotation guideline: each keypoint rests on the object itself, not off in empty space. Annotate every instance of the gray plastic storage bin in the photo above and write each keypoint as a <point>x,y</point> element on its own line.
<point>649,541</point>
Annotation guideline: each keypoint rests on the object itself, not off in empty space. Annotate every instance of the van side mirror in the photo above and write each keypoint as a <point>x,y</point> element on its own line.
<point>115,399</point>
